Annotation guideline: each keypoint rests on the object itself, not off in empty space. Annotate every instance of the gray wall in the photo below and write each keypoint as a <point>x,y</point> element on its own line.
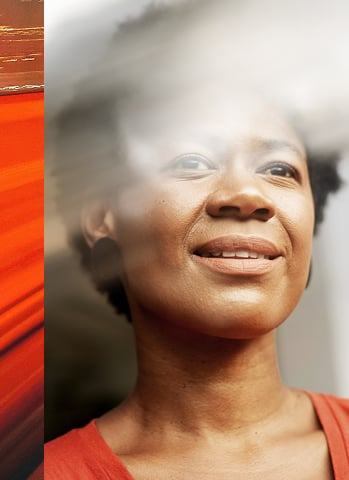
<point>313,343</point>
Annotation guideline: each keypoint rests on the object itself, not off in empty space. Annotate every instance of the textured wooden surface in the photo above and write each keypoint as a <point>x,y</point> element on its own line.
<point>21,46</point>
<point>21,280</point>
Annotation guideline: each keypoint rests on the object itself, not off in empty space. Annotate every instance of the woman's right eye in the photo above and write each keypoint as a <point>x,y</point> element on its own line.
<point>191,162</point>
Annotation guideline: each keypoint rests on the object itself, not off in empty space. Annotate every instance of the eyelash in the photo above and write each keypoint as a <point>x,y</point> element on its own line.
<point>285,170</point>
<point>281,169</point>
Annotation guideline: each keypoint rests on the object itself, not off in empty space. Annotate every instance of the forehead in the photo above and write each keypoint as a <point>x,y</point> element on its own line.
<point>221,114</point>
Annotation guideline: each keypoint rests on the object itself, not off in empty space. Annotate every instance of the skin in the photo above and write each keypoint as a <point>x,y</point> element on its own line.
<point>209,401</point>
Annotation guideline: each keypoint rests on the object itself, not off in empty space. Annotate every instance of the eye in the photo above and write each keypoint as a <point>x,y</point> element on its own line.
<point>191,162</point>
<point>279,169</point>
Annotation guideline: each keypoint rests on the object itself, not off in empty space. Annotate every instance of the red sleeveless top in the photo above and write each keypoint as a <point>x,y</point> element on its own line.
<point>83,454</point>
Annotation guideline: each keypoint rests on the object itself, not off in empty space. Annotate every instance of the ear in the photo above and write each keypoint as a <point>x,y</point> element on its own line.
<point>98,221</point>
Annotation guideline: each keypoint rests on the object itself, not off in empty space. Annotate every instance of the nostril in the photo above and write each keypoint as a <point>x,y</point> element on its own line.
<point>262,211</point>
<point>243,203</point>
<point>229,210</point>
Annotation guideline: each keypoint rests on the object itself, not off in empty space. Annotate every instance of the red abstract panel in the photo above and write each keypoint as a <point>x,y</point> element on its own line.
<point>21,279</point>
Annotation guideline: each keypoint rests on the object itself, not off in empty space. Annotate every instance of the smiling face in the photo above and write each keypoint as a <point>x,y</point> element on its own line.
<point>216,232</point>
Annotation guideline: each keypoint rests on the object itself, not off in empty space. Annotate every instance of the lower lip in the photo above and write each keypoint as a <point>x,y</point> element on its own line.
<point>244,267</point>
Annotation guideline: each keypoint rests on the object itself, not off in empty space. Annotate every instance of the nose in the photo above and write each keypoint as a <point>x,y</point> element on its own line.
<point>242,197</point>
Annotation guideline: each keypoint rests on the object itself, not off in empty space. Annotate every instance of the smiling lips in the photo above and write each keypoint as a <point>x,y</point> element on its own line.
<point>239,255</point>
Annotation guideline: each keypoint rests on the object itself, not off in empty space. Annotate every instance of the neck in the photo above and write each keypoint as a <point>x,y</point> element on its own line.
<point>206,384</point>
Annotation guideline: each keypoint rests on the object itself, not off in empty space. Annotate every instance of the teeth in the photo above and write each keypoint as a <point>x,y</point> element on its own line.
<point>242,254</point>
<point>236,254</point>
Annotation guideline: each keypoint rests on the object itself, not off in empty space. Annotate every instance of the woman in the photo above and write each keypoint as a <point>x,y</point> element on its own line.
<point>200,205</point>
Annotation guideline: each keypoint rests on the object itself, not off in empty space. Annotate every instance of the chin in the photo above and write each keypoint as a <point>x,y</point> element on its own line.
<point>245,331</point>
<point>245,326</point>
<point>246,321</point>
<point>239,314</point>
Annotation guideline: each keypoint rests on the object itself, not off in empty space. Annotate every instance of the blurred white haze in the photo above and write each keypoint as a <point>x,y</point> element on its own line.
<point>296,53</point>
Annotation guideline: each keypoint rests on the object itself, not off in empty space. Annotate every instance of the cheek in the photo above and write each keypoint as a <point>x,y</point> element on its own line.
<point>157,216</point>
<point>150,229</point>
<point>153,241</point>
<point>299,224</point>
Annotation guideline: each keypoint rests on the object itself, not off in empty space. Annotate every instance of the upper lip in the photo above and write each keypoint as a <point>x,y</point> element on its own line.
<point>233,243</point>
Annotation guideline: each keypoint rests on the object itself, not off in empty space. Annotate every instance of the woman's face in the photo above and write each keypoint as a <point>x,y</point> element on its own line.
<point>216,229</point>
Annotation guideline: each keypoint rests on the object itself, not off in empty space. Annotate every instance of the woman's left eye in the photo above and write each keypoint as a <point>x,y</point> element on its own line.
<point>192,162</point>
<point>279,169</point>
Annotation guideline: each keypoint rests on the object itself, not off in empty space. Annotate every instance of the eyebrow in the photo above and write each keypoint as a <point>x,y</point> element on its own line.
<point>273,144</point>
<point>264,144</point>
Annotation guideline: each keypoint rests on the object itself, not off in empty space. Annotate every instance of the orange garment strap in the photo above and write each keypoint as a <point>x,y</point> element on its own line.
<point>82,453</point>
<point>333,413</point>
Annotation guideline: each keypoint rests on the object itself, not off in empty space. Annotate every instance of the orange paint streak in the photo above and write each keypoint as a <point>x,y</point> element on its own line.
<point>21,278</point>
